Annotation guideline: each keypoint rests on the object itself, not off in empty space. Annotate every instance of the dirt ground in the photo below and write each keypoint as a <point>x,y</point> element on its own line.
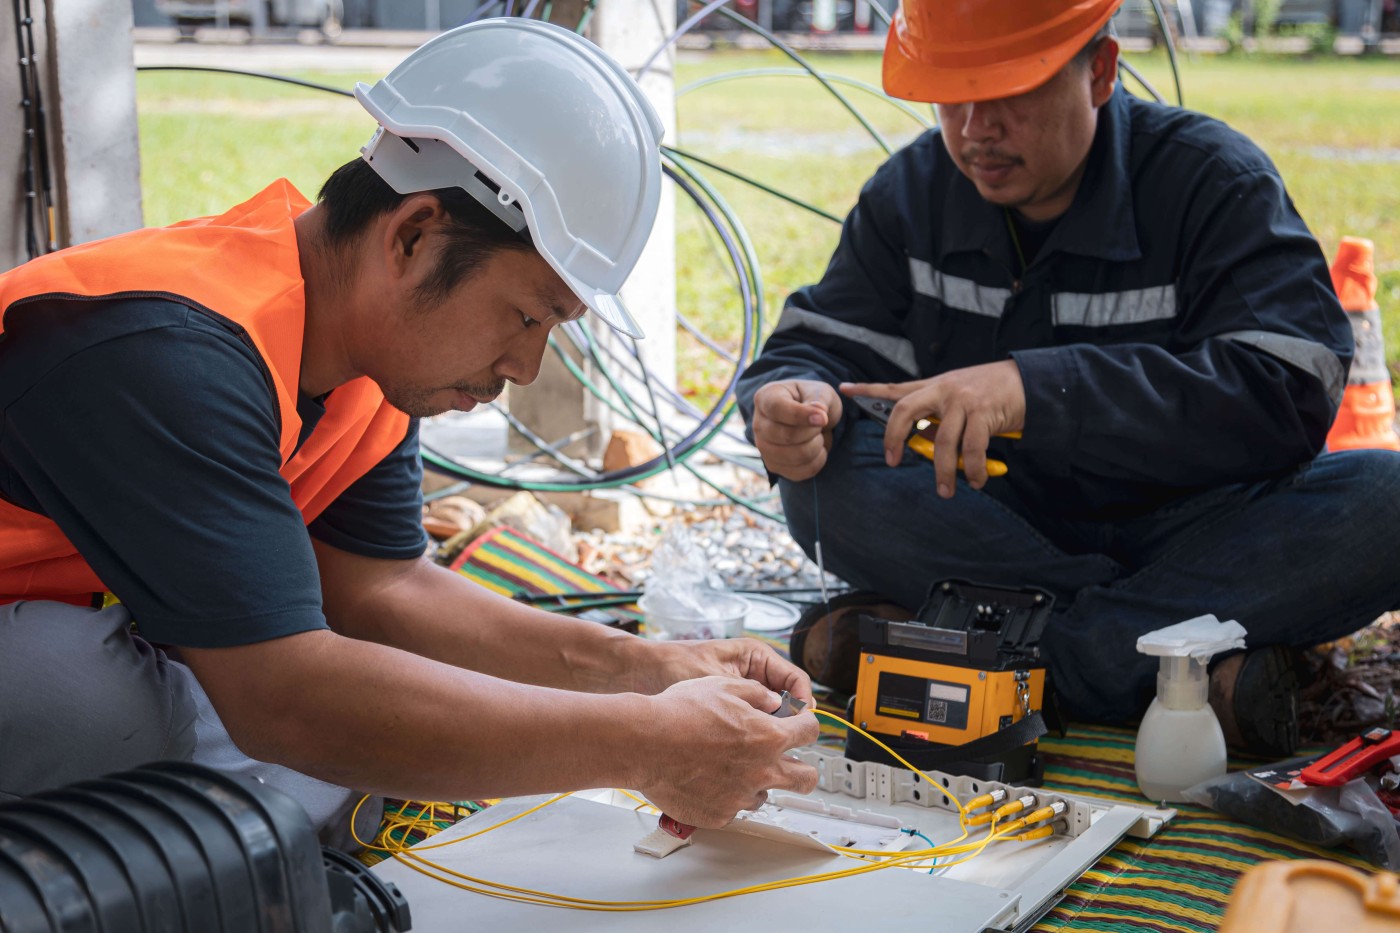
<point>1356,684</point>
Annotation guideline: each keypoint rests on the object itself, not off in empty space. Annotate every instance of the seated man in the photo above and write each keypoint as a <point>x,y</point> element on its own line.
<point>1126,284</point>
<point>216,423</point>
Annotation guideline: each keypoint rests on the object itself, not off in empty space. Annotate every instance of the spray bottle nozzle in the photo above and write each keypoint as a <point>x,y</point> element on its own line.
<point>1185,649</point>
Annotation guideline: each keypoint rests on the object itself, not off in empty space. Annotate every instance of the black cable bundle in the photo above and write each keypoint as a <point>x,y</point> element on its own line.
<point>38,210</point>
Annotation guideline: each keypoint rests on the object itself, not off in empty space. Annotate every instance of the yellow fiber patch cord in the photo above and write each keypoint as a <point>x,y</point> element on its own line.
<point>918,858</point>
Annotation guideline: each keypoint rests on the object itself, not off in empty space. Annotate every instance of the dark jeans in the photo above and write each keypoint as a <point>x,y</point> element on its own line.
<point>1297,561</point>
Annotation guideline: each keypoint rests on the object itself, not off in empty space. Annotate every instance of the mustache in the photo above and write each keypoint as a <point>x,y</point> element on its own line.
<point>481,389</point>
<point>990,154</point>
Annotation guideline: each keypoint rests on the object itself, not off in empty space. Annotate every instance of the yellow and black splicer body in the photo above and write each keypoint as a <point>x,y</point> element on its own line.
<point>960,688</point>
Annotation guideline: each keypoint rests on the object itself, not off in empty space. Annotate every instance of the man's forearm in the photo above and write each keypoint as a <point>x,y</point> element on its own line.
<point>437,732</point>
<point>430,611</point>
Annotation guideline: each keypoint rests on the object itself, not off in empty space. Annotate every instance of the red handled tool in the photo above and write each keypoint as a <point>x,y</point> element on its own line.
<point>1353,759</point>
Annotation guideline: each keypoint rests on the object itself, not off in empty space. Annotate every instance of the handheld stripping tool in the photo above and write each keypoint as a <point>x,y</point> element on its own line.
<point>879,409</point>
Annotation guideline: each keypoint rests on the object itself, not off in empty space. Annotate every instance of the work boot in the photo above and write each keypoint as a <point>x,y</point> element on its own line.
<point>826,641</point>
<point>1255,697</point>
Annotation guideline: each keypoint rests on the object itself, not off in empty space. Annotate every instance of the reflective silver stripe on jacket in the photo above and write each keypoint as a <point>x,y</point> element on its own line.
<point>897,350</point>
<point>1308,355</point>
<point>963,294</point>
<point>1135,306</point>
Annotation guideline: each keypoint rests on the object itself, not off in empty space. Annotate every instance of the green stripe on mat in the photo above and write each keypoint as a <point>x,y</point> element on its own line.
<point>1177,882</point>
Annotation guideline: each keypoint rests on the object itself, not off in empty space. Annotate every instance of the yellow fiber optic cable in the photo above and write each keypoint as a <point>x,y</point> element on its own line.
<point>1040,832</point>
<point>413,859</point>
<point>1015,806</point>
<point>641,803</point>
<point>451,842</point>
<point>511,892</point>
<point>897,757</point>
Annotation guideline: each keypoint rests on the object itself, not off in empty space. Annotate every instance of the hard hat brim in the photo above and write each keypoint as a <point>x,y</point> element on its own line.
<point>611,309</point>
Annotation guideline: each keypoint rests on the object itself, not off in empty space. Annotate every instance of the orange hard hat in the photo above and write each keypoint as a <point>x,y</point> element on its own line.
<point>958,51</point>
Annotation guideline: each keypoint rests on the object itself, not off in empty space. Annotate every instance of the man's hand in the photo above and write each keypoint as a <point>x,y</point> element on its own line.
<point>670,662</point>
<point>792,424</point>
<point>972,404</point>
<point>718,750</point>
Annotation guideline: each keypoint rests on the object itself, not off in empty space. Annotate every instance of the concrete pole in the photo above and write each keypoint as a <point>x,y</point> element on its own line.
<point>97,156</point>
<point>630,31</point>
<point>556,405</point>
<point>83,59</point>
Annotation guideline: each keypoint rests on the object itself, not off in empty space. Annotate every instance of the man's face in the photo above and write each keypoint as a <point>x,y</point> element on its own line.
<point>461,351</point>
<point>1028,152</point>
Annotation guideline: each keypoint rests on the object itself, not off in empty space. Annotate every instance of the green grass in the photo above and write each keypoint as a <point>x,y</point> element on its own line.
<point>1331,125</point>
<point>209,141</point>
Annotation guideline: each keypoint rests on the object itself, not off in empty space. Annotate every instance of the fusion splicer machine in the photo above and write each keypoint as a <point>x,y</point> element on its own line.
<point>958,689</point>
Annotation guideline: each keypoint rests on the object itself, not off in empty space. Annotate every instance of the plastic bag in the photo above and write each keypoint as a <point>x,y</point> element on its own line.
<point>1351,815</point>
<point>680,601</point>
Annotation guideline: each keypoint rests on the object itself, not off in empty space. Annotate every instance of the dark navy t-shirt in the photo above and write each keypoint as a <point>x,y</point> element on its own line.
<point>147,430</point>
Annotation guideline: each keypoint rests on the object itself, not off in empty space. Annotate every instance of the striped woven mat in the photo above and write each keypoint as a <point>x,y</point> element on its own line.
<point>1177,882</point>
<point>1181,879</point>
<point>507,562</point>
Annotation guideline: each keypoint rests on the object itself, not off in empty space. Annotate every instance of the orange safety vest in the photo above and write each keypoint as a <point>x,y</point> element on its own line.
<point>241,266</point>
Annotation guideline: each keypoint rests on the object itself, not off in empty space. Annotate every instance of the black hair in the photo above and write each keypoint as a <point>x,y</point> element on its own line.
<point>354,196</point>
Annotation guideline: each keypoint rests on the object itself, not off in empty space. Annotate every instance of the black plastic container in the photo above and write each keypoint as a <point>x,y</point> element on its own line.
<point>176,847</point>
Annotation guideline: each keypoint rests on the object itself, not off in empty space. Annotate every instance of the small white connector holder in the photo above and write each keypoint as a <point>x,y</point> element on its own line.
<point>1185,649</point>
<point>1180,743</point>
<point>658,843</point>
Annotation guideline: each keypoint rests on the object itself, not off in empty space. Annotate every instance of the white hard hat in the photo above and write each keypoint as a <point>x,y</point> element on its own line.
<point>540,126</point>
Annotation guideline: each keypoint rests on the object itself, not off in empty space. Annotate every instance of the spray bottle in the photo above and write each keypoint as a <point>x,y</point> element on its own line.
<point>1179,743</point>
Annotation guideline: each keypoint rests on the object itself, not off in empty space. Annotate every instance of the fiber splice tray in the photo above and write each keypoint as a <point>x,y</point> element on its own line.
<point>583,848</point>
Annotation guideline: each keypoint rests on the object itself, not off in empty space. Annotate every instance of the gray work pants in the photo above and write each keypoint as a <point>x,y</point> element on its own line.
<point>82,696</point>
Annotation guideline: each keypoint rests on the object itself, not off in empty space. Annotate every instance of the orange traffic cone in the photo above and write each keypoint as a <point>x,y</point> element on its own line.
<point>1367,415</point>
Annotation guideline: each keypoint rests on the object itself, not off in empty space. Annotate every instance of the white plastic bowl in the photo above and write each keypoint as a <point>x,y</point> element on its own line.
<point>725,618</point>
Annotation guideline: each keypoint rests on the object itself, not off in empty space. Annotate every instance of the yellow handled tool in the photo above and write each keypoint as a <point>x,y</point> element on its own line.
<point>880,409</point>
<point>924,448</point>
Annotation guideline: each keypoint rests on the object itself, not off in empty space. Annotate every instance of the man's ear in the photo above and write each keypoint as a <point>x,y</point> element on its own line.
<point>1103,71</point>
<point>404,231</point>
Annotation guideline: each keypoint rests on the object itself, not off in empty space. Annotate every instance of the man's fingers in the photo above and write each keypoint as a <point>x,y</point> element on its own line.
<point>976,437</point>
<point>823,397</point>
<point>793,679</point>
<point>795,463</point>
<point>792,426</point>
<point>783,433</point>
<point>947,443</point>
<point>753,693</point>
<point>786,410</point>
<point>802,729</point>
<point>797,402</point>
<point>890,390</point>
<point>903,417</point>
<point>763,664</point>
<point>797,777</point>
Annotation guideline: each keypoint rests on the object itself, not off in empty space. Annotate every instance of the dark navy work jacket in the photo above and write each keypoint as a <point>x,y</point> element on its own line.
<point>1176,331</point>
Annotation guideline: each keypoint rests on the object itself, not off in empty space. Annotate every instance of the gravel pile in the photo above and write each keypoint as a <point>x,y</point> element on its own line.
<point>745,551</point>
